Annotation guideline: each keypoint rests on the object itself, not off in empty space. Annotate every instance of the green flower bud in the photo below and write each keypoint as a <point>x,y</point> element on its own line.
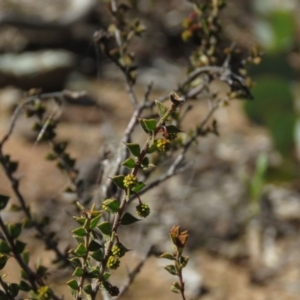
<point>130,181</point>
<point>118,250</point>
<point>113,262</point>
<point>44,293</point>
<point>143,210</point>
<point>163,145</point>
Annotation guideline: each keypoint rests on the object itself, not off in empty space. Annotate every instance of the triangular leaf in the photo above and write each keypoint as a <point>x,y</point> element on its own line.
<point>167,256</point>
<point>105,228</point>
<point>153,147</point>
<point>106,275</point>
<point>76,262</point>
<point>129,163</point>
<point>3,201</point>
<point>20,246</point>
<point>134,149</point>
<point>94,246</point>
<point>13,166</point>
<point>80,220</point>
<point>94,273</point>
<point>78,272</point>
<point>24,286</point>
<point>88,289</point>
<point>128,219</point>
<point>94,222</point>
<point>79,231</point>
<point>4,248</point>
<point>97,255</point>
<point>13,289</point>
<point>160,108</point>
<point>143,125</point>
<point>138,187</point>
<point>25,257</point>
<point>173,129</point>
<point>80,250</point>
<point>14,229</point>
<point>171,269</point>
<point>175,288</point>
<point>119,181</point>
<point>145,162</point>
<point>112,204</point>
<point>41,270</point>
<point>150,124</point>
<point>183,261</point>
<point>73,284</point>
<point>3,260</point>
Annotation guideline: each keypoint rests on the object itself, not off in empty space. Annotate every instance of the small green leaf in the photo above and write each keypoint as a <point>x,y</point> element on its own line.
<point>76,262</point>
<point>112,204</point>
<point>183,261</point>
<point>80,250</point>
<point>142,123</point>
<point>161,108</point>
<point>134,149</point>
<point>128,219</point>
<point>105,228</point>
<point>4,248</point>
<point>167,256</point>
<point>153,147</point>
<point>24,286</point>
<point>175,288</point>
<point>3,201</point>
<point>171,269</point>
<point>25,257</point>
<point>41,270</point>
<point>97,255</point>
<point>13,289</point>
<point>106,275</point>
<point>3,259</point>
<point>173,129</point>
<point>78,272</point>
<point>94,246</point>
<point>119,181</point>
<point>27,223</point>
<point>145,162</point>
<point>94,222</point>
<point>79,231</point>
<point>138,187</point>
<point>129,163</point>
<point>94,273</point>
<point>96,213</point>
<point>150,124</point>
<point>79,220</point>
<point>24,275</point>
<point>88,289</point>
<point>13,166</point>
<point>14,229</point>
<point>2,295</point>
<point>73,284</point>
<point>20,246</point>
<point>79,239</point>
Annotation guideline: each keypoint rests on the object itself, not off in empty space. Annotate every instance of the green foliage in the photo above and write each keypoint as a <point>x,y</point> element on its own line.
<point>98,242</point>
<point>274,108</point>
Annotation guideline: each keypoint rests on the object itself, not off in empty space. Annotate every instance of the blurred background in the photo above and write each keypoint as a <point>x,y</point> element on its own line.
<point>241,198</point>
